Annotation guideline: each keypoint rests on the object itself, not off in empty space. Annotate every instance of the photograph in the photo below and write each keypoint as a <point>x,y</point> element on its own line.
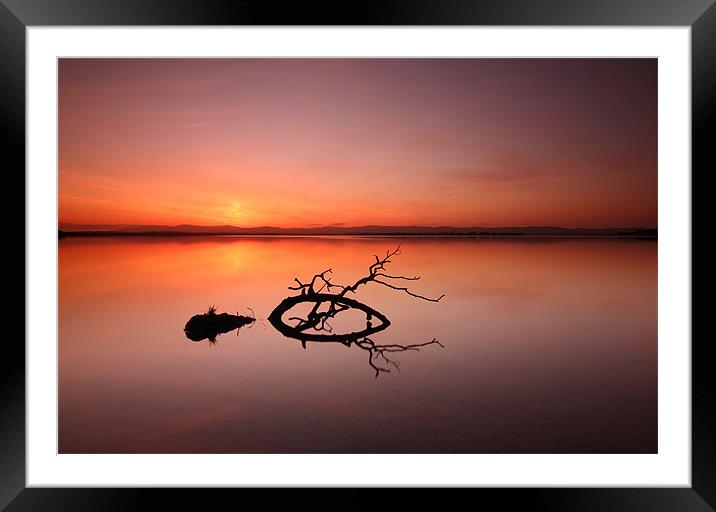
<point>357,255</point>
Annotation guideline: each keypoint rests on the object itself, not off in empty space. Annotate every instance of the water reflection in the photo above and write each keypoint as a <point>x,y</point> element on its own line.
<point>551,347</point>
<point>324,307</point>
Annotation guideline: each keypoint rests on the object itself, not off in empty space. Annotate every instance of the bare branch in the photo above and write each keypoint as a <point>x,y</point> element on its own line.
<point>376,271</point>
<point>404,289</point>
<point>322,281</point>
<point>414,278</point>
<point>318,321</point>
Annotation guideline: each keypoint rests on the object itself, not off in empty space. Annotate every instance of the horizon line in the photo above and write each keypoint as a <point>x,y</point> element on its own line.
<point>342,227</point>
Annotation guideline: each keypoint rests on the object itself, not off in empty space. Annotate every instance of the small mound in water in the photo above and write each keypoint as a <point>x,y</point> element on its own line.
<point>210,324</point>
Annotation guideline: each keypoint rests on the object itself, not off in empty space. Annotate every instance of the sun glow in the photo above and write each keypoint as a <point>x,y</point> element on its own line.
<point>235,214</point>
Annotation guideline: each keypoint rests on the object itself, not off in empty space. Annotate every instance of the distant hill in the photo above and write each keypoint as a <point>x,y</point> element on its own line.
<point>186,229</point>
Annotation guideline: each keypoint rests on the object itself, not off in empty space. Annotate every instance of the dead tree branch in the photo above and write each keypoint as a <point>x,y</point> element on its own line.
<point>316,326</point>
<point>376,272</point>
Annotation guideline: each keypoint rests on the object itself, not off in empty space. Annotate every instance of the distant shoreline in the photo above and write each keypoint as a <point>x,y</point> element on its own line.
<point>76,230</point>
<point>104,234</point>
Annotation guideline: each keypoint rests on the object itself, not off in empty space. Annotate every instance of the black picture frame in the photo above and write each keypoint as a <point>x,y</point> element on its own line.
<point>17,15</point>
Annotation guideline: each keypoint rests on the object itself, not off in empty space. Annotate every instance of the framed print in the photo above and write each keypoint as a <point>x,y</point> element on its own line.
<point>415,247</point>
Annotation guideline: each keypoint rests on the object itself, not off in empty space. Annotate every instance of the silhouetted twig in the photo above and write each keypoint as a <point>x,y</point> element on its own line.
<point>375,272</point>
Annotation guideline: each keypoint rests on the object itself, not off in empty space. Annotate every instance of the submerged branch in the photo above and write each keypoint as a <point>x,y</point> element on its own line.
<point>316,326</point>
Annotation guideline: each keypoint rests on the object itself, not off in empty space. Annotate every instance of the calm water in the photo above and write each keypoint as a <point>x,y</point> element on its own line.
<point>550,345</point>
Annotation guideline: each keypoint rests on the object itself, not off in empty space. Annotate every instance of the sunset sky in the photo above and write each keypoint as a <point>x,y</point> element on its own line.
<point>351,142</point>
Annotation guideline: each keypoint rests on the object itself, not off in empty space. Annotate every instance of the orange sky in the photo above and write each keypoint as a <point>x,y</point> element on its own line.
<point>308,142</point>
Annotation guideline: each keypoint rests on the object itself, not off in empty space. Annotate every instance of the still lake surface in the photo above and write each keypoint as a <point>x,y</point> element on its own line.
<point>550,346</point>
